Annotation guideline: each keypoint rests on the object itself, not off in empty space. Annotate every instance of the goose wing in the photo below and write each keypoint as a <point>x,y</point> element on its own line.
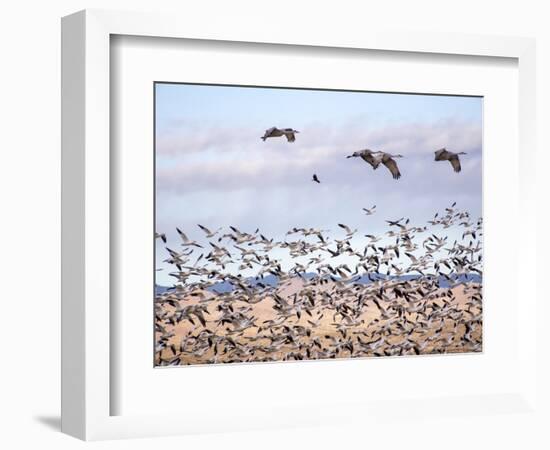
<point>183,236</point>
<point>203,228</point>
<point>392,167</point>
<point>455,162</point>
<point>345,227</point>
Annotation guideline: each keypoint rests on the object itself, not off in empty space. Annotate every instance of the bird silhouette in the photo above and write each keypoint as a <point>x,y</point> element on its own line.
<point>445,155</point>
<point>289,133</point>
<point>376,158</point>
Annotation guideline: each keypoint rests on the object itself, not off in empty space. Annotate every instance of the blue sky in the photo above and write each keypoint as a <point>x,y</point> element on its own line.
<point>213,168</point>
<point>252,106</point>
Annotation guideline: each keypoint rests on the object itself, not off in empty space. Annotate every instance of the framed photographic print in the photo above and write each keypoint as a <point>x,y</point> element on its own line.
<point>253,218</point>
<point>287,246</point>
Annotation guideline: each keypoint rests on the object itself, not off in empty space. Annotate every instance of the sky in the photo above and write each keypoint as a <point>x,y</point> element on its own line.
<point>212,167</point>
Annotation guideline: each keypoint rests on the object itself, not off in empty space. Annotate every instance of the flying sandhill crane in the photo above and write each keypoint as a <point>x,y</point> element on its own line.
<point>278,132</point>
<point>367,155</point>
<point>375,158</point>
<point>445,155</point>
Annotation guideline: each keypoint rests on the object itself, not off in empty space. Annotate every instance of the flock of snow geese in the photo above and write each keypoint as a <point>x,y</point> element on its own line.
<point>371,157</point>
<point>244,297</point>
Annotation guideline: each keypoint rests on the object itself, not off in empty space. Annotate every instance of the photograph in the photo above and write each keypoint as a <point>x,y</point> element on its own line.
<point>296,224</point>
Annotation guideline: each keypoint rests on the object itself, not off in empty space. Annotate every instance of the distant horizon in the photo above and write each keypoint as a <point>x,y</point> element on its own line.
<point>474,277</point>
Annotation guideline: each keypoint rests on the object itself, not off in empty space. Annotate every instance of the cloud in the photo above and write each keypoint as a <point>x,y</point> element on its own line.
<point>421,138</point>
<point>184,138</point>
<point>296,201</point>
<point>213,161</point>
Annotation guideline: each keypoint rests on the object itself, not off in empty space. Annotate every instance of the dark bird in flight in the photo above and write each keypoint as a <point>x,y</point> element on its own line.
<point>278,132</point>
<point>445,155</point>
<point>315,178</point>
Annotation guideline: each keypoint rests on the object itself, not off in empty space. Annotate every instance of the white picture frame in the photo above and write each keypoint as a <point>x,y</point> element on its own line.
<point>86,221</point>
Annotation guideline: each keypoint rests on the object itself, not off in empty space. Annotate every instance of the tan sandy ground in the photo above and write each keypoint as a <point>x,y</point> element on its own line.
<point>262,311</point>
